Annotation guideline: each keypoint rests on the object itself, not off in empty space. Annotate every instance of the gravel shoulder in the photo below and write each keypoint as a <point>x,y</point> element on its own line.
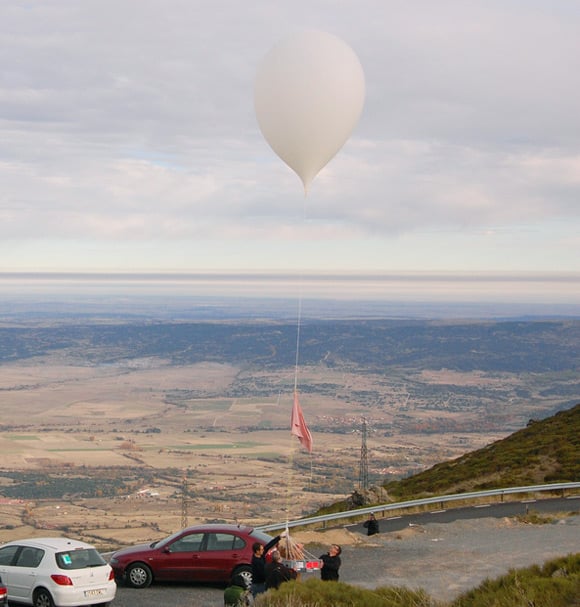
<point>447,559</point>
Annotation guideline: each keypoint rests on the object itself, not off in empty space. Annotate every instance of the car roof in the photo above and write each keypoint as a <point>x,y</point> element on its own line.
<point>54,543</point>
<point>219,527</point>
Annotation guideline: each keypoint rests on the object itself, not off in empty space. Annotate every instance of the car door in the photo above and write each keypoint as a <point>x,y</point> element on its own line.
<point>223,551</point>
<point>7,558</point>
<point>21,575</point>
<point>179,560</point>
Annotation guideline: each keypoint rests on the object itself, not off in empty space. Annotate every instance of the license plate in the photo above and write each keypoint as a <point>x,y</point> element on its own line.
<point>95,592</point>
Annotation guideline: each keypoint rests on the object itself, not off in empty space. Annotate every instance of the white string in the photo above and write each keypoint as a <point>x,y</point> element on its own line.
<point>299,320</point>
<point>298,327</point>
<point>296,371</point>
<point>296,366</point>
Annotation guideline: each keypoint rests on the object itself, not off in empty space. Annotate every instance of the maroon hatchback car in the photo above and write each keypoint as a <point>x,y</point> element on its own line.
<point>203,553</point>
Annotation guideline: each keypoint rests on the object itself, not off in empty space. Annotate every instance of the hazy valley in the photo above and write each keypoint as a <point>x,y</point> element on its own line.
<point>103,418</point>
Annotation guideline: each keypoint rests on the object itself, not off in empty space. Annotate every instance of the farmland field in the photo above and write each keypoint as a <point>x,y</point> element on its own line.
<point>101,423</point>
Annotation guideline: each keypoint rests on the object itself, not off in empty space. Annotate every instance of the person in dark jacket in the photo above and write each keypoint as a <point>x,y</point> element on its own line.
<point>331,564</point>
<point>372,525</point>
<point>277,572</point>
<point>259,564</point>
<point>237,593</point>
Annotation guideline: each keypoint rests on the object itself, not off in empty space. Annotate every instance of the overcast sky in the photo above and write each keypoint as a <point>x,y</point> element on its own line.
<point>129,142</point>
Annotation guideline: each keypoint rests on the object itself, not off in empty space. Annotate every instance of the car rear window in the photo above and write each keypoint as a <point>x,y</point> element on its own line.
<point>79,559</point>
<point>260,536</point>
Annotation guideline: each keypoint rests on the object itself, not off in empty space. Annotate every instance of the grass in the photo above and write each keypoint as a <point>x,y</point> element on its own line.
<point>316,593</point>
<point>535,518</point>
<point>22,437</point>
<point>555,584</point>
<point>545,451</point>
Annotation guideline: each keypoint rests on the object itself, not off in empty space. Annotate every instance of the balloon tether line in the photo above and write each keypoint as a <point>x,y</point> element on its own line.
<point>294,395</point>
<point>296,372</point>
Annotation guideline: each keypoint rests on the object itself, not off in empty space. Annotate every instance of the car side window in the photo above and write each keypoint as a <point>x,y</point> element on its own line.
<point>239,543</point>
<point>29,557</point>
<point>222,541</point>
<point>7,554</point>
<point>187,543</point>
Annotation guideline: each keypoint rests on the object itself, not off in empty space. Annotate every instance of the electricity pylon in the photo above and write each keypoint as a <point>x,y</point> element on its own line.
<point>363,470</point>
<point>184,501</point>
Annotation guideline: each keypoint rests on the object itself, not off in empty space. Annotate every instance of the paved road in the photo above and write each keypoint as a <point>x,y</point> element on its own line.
<point>492,510</point>
<point>170,595</point>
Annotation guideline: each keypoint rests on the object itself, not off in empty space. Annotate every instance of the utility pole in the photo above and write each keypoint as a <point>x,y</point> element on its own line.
<point>363,471</point>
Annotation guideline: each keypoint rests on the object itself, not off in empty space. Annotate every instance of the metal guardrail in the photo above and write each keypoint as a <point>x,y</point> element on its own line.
<point>420,502</point>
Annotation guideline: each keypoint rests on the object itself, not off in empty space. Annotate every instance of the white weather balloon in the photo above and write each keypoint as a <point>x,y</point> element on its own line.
<point>309,95</point>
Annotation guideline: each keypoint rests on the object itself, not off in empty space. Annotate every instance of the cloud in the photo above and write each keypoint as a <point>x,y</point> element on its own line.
<point>130,121</point>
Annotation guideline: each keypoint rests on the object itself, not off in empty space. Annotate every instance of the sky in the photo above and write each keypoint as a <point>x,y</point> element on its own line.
<point>129,140</point>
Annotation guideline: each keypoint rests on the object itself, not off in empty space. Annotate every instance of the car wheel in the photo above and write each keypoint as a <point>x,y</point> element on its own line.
<point>42,598</point>
<point>246,572</point>
<point>138,575</point>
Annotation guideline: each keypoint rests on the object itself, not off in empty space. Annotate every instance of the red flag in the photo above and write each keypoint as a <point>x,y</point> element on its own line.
<point>298,425</point>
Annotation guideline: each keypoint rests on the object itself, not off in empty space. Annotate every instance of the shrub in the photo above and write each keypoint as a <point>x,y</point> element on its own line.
<point>316,593</point>
<point>535,518</point>
<point>556,584</point>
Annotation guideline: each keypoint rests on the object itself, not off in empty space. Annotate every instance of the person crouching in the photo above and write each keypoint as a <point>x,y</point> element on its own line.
<point>277,572</point>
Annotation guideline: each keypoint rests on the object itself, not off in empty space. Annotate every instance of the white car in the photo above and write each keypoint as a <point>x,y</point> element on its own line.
<point>56,572</point>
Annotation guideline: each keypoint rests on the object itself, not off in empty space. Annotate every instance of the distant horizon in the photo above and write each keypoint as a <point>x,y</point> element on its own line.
<point>399,293</point>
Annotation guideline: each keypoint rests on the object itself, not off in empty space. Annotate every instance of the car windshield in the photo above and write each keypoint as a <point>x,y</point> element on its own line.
<point>79,559</point>
<point>166,540</point>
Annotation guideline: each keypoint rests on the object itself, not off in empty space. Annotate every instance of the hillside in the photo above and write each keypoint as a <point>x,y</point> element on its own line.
<point>545,451</point>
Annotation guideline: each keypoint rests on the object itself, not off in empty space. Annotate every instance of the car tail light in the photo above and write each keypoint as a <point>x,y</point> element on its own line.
<point>3,592</point>
<point>61,580</point>
<point>111,575</point>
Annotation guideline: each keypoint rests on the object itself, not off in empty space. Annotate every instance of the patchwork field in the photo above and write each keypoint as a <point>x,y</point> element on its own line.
<point>105,428</point>
<point>115,429</point>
